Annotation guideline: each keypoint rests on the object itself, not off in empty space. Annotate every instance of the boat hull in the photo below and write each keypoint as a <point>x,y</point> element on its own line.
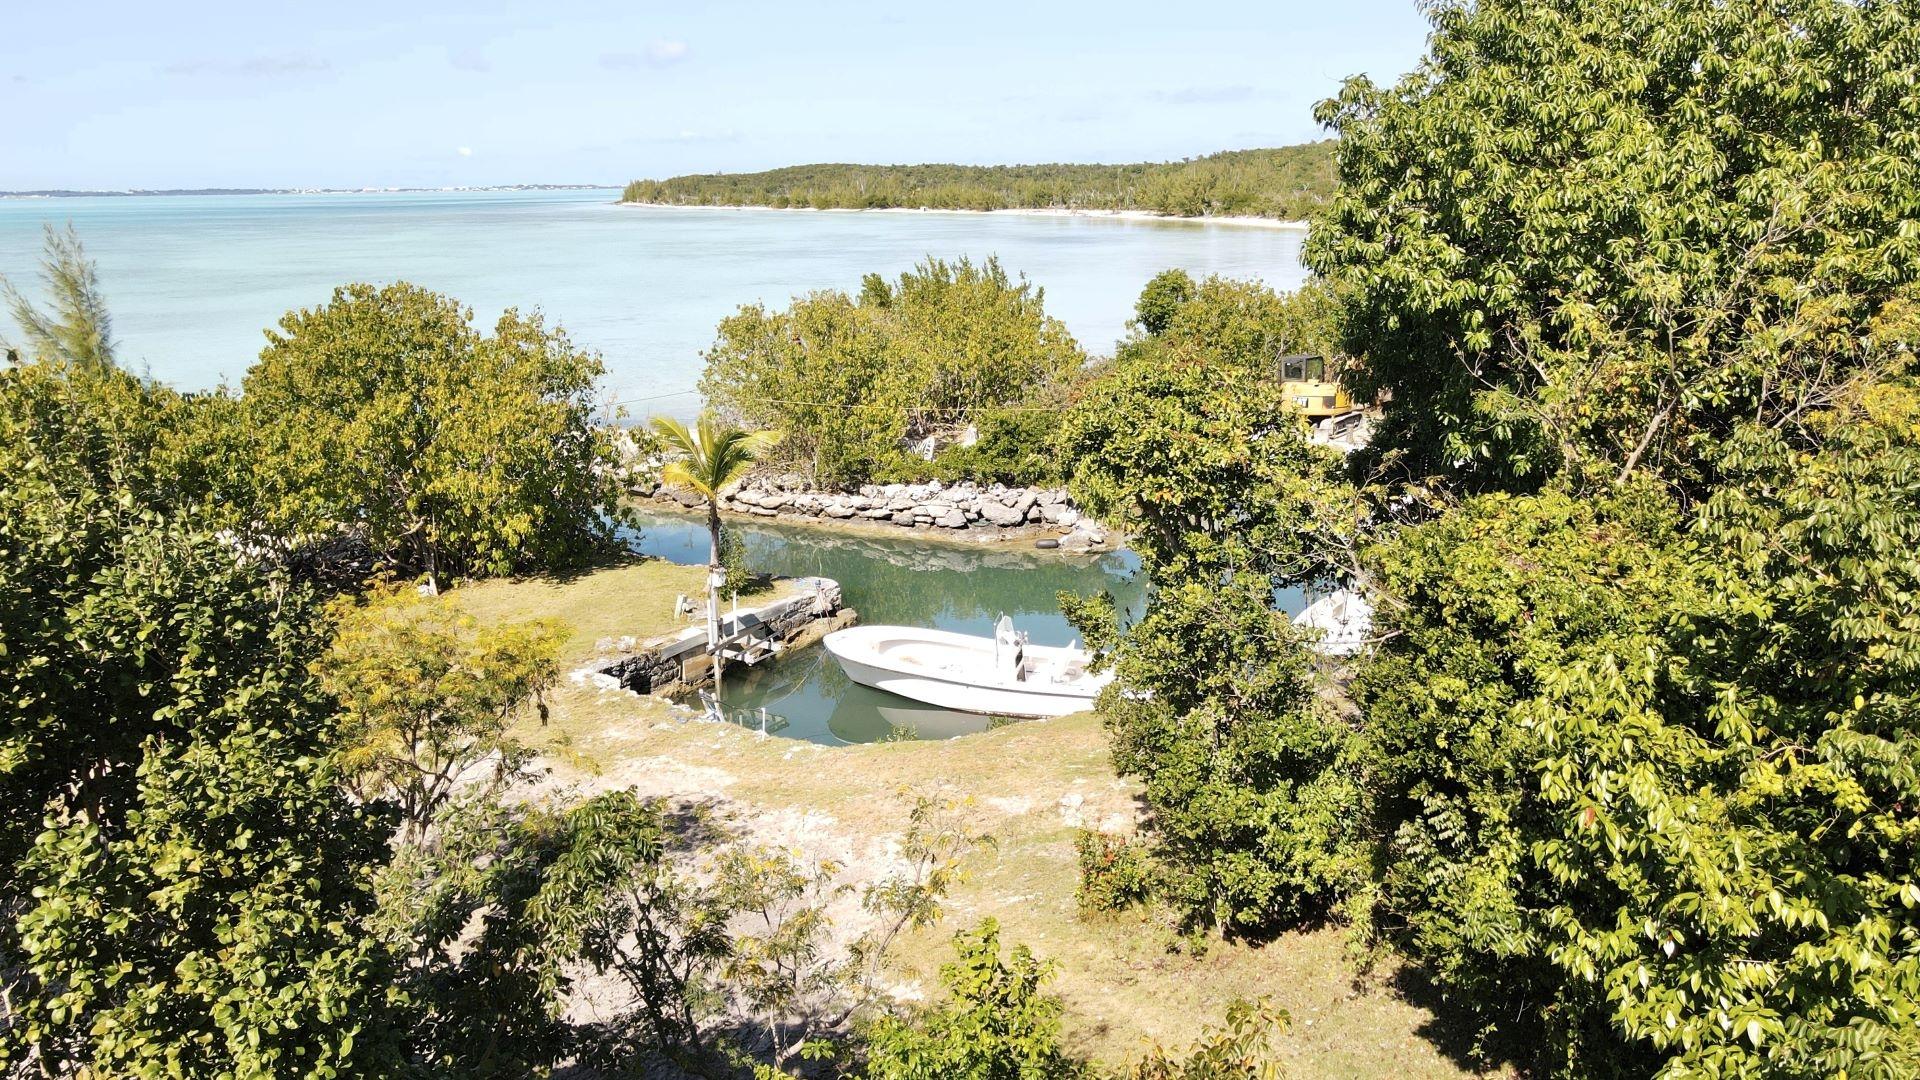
<point>1026,701</point>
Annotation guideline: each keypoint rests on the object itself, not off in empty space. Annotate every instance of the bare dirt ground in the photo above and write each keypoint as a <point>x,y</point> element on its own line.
<point>1126,980</point>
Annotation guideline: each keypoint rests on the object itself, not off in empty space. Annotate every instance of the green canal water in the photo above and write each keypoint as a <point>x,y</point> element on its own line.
<point>947,585</point>
<point>907,581</point>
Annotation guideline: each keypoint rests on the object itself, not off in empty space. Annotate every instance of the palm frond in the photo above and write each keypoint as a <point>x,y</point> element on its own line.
<point>713,453</point>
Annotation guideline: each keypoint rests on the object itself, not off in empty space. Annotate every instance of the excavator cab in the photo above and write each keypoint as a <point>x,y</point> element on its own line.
<point>1303,379</point>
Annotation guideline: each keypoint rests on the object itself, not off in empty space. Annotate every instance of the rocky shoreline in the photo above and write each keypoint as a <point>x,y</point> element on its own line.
<point>975,511</point>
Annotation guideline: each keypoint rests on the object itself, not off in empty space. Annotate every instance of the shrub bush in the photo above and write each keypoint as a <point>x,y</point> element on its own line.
<point>1116,872</point>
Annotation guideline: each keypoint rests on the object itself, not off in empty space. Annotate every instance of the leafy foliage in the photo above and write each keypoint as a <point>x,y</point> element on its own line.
<point>1655,787</point>
<point>1116,872</point>
<point>1240,1048</point>
<point>428,698</point>
<point>1587,238</point>
<point>1165,294</point>
<point>554,891</point>
<point>997,1023</point>
<point>1638,765</point>
<point>453,453</point>
<point>185,875</point>
<point>1253,782</point>
<point>77,331</point>
<point>1251,778</point>
<point>212,931</point>
<point>1017,446</point>
<point>1288,182</point>
<point>851,381</point>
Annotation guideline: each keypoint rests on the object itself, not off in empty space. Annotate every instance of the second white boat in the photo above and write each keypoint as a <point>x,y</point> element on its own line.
<point>1001,675</point>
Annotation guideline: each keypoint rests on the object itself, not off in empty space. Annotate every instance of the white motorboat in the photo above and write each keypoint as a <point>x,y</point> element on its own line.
<point>1001,675</point>
<point>1345,621</point>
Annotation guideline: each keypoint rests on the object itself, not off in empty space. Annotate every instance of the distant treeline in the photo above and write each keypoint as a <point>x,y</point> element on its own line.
<point>1287,182</point>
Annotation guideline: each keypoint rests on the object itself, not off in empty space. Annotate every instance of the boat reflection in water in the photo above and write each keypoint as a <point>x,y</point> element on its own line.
<point>805,695</point>
<point>907,581</point>
<point>912,582</point>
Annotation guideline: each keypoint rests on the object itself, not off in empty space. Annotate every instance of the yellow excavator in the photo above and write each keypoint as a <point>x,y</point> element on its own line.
<point>1303,379</point>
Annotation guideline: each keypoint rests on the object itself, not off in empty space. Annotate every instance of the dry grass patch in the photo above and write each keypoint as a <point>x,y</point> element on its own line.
<point>1031,785</point>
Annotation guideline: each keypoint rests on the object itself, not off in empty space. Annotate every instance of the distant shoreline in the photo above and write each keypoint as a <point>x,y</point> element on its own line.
<point>59,193</point>
<point>1238,220</point>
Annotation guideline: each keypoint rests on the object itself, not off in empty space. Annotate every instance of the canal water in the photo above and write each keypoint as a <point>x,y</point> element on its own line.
<point>946,585</point>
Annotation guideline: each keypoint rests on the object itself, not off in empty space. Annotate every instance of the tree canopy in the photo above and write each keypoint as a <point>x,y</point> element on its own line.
<point>76,329</point>
<point>1585,239</point>
<point>1286,182</point>
<point>1628,768</point>
<point>850,381</point>
<point>385,414</point>
<point>183,872</point>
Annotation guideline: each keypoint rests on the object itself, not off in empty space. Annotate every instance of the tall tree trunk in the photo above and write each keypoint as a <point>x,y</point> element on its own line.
<point>714,568</point>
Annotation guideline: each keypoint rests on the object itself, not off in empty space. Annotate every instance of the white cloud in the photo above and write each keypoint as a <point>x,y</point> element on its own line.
<point>659,53</point>
<point>469,60</point>
<point>256,67</point>
<point>465,151</point>
<point>664,52</point>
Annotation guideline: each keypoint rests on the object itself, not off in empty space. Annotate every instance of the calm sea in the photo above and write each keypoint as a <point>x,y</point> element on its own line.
<point>192,281</point>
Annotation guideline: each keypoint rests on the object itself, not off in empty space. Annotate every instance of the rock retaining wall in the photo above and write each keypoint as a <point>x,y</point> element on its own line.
<point>992,511</point>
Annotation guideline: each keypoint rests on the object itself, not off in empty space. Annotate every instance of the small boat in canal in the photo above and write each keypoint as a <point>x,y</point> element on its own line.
<point>1344,620</point>
<point>1002,675</point>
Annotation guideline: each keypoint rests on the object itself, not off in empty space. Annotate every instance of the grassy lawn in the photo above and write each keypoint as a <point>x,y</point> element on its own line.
<point>1030,785</point>
<point>634,599</point>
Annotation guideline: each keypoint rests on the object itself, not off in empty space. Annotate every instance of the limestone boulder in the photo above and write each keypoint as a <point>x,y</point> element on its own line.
<point>1000,514</point>
<point>1059,514</point>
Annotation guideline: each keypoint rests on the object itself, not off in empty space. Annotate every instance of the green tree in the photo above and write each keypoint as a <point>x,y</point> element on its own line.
<point>996,1025</point>
<point>1650,777</point>
<point>1585,239</point>
<point>1252,778</point>
<point>1649,265</point>
<point>186,880</point>
<point>712,455</point>
<point>853,382</point>
<point>512,900</point>
<point>216,929</point>
<point>77,331</point>
<point>1165,294</point>
<point>429,698</point>
<point>385,414</point>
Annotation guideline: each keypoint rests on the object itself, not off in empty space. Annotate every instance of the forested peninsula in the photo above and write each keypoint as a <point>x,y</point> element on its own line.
<point>1287,182</point>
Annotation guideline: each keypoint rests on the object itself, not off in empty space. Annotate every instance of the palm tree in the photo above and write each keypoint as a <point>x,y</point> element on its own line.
<point>77,331</point>
<point>713,455</point>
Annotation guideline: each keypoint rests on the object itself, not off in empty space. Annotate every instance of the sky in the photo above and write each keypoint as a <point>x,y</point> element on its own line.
<point>113,94</point>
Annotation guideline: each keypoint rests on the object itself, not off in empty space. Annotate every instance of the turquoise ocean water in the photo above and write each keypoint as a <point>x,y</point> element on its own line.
<point>193,280</point>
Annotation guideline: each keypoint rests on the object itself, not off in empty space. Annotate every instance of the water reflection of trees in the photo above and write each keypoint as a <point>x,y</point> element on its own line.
<point>916,582</point>
<point>908,580</point>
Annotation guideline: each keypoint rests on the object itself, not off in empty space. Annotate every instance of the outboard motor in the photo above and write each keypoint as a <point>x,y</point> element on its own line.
<point>1009,650</point>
